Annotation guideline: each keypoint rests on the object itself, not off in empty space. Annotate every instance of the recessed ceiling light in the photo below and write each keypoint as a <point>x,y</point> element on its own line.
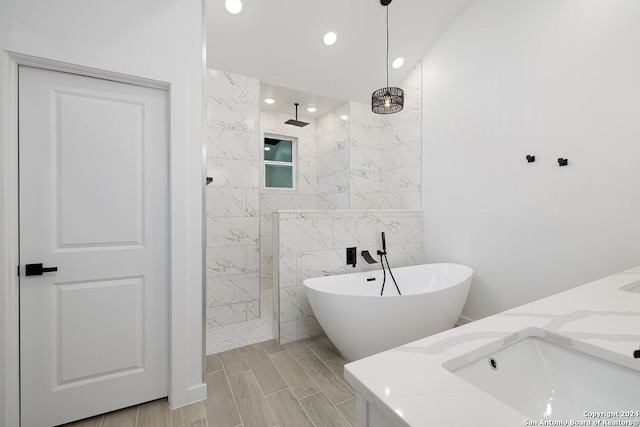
<point>397,63</point>
<point>344,117</point>
<point>312,109</point>
<point>330,38</point>
<point>269,101</point>
<point>234,7</point>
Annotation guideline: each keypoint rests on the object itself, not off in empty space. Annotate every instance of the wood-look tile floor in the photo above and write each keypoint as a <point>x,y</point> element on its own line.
<point>299,384</point>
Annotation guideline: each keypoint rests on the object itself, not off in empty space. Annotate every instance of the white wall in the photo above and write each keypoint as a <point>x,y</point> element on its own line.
<point>153,39</point>
<point>8,256</point>
<point>551,78</point>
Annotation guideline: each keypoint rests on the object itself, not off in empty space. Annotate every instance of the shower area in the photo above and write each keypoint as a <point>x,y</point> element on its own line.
<point>338,162</point>
<point>239,294</point>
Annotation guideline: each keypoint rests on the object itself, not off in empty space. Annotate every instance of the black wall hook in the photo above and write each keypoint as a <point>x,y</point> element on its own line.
<point>563,162</point>
<point>531,158</point>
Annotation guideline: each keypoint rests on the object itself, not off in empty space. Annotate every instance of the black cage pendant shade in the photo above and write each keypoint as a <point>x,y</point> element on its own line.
<point>387,100</point>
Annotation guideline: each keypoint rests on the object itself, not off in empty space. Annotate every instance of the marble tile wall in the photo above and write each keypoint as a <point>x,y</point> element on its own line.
<point>370,161</point>
<point>401,165</point>
<point>302,197</point>
<point>233,199</point>
<point>332,159</point>
<point>365,153</point>
<point>312,243</point>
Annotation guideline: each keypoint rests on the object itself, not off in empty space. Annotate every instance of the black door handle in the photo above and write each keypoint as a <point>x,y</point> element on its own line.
<point>38,269</point>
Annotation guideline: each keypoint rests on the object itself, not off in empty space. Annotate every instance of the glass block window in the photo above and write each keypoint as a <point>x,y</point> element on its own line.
<point>279,165</point>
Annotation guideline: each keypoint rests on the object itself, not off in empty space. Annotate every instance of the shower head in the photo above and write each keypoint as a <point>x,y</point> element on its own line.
<point>296,122</point>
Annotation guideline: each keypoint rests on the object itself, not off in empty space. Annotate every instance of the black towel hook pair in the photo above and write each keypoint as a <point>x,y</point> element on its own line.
<point>561,161</point>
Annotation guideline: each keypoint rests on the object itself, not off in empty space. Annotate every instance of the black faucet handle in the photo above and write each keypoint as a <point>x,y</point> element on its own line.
<point>636,354</point>
<point>351,256</point>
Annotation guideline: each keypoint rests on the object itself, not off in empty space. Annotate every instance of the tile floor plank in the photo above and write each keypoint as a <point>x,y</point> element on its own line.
<point>348,409</point>
<point>328,342</point>
<point>123,418</point>
<point>337,367</point>
<point>154,414</point>
<point>251,347</point>
<point>253,407</point>
<point>233,362</point>
<point>298,349</point>
<point>272,347</point>
<point>88,422</point>
<point>199,423</point>
<point>288,410</point>
<point>333,387</point>
<point>322,347</point>
<point>322,412</point>
<point>268,377</point>
<point>297,378</point>
<point>220,406</point>
<point>187,414</point>
<point>214,363</point>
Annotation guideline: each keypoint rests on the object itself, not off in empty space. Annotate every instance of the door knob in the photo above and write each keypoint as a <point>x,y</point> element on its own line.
<point>38,269</point>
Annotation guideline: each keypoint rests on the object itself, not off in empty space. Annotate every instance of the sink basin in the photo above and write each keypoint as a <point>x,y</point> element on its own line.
<point>545,377</point>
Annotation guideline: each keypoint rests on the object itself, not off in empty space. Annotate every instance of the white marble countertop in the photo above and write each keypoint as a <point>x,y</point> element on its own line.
<point>409,386</point>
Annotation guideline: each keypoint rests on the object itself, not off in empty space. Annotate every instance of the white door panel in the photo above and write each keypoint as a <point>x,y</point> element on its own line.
<point>85,165</point>
<point>94,204</point>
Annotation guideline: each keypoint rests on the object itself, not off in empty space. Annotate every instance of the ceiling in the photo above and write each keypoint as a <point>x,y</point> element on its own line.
<point>279,42</point>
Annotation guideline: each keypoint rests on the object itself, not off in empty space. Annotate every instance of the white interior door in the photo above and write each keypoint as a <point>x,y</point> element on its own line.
<point>94,204</point>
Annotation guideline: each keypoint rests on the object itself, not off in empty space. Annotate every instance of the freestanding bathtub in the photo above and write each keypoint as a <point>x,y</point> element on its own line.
<point>360,322</point>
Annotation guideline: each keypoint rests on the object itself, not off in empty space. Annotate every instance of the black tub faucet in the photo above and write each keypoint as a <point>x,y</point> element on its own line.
<point>367,257</point>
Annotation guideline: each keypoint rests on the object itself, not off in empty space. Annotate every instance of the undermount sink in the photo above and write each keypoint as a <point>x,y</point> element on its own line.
<point>545,377</point>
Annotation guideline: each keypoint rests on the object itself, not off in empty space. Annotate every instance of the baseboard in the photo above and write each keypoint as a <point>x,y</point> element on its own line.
<point>197,393</point>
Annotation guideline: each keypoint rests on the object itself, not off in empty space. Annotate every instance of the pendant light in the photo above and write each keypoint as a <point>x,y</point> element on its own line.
<point>387,100</point>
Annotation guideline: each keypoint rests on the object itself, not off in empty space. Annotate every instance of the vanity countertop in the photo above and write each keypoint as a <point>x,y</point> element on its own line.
<point>409,386</point>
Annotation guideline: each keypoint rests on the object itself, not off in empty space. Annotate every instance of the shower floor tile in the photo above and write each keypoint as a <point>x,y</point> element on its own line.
<point>228,337</point>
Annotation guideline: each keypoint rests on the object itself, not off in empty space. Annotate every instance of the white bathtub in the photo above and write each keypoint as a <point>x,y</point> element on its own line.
<point>360,322</point>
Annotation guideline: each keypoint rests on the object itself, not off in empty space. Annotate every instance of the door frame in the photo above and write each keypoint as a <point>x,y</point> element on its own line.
<point>182,391</point>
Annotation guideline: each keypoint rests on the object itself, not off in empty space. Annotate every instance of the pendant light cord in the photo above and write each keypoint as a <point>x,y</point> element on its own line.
<point>387,46</point>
